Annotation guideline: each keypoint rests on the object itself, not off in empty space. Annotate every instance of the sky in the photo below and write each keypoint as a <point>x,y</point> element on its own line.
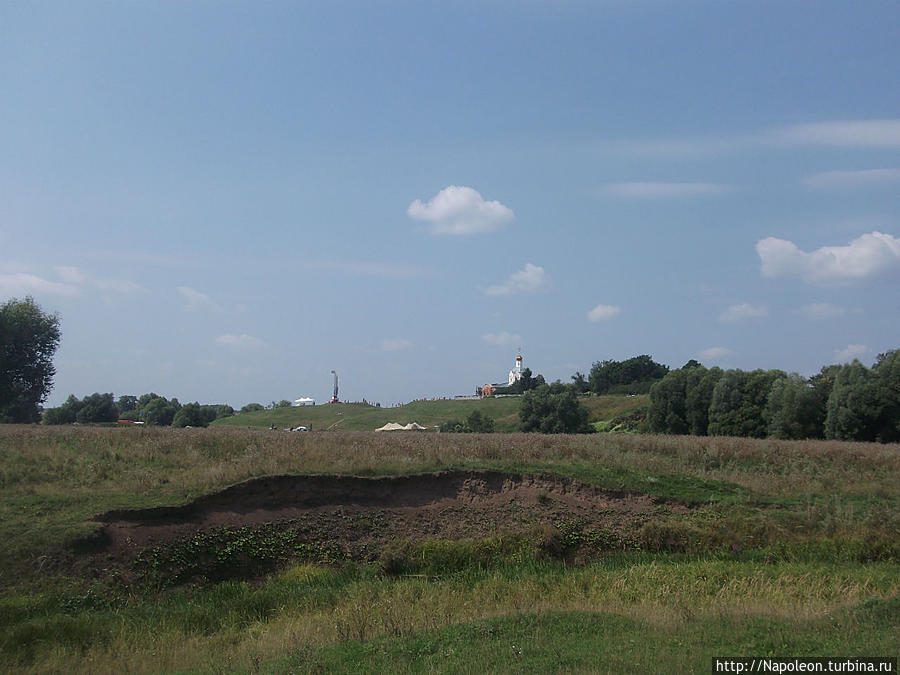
<point>225,201</point>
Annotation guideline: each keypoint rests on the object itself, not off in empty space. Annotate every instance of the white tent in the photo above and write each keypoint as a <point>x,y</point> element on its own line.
<point>390,426</point>
<point>393,426</point>
<point>305,401</point>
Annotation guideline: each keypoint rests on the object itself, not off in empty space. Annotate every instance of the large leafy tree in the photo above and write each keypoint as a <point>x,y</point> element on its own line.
<point>28,339</point>
<point>738,401</point>
<point>632,376</point>
<point>887,377</point>
<point>795,409</point>
<point>548,413</point>
<point>667,413</point>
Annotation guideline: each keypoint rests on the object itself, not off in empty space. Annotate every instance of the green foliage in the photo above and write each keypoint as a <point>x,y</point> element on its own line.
<point>854,410</point>
<point>580,383</point>
<point>28,339</point>
<point>157,410</point>
<point>668,398</point>
<point>228,553</point>
<point>126,404</point>
<point>194,415</point>
<point>253,407</point>
<point>795,409</point>
<point>476,422</point>
<point>633,376</point>
<point>887,374</point>
<point>548,413</point>
<point>679,403</point>
<point>738,401</point>
<point>93,409</point>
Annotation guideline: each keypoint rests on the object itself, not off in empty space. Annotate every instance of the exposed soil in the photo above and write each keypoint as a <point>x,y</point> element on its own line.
<point>360,516</point>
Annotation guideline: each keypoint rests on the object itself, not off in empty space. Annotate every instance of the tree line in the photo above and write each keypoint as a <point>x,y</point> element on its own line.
<point>847,402</point>
<point>151,409</point>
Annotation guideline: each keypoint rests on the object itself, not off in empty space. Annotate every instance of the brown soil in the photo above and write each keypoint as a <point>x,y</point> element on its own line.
<point>361,516</point>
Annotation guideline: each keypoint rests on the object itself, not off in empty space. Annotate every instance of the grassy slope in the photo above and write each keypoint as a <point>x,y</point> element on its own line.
<point>816,523</point>
<point>363,417</point>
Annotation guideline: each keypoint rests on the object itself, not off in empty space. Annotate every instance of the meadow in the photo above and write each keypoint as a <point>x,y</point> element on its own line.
<point>776,548</point>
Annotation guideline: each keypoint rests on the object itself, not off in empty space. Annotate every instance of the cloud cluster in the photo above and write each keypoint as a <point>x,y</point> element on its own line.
<point>865,257</point>
<point>460,210</point>
<point>603,313</point>
<point>502,339</point>
<point>528,280</point>
<point>665,190</point>
<point>743,310</point>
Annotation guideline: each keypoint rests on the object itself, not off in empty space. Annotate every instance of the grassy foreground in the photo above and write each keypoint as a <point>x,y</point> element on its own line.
<point>790,548</point>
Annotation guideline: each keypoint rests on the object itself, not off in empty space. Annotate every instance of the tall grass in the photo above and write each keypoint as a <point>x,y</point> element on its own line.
<point>780,534</point>
<point>235,624</point>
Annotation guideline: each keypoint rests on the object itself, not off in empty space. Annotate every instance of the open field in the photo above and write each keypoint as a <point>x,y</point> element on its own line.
<point>350,551</point>
<point>364,417</point>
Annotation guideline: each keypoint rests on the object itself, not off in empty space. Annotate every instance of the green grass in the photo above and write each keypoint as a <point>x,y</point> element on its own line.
<point>364,417</point>
<point>789,548</point>
<point>608,643</point>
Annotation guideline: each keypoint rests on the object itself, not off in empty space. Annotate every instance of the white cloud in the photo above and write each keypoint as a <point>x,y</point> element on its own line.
<point>851,352</point>
<point>21,284</point>
<point>502,339</point>
<point>822,310</point>
<point>883,133</point>
<point>829,180</point>
<point>461,210</point>
<point>867,256</point>
<point>527,280</point>
<point>395,344</point>
<point>604,313</point>
<point>714,353</point>
<point>195,300</point>
<point>743,310</point>
<point>665,190</point>
<point>242,341</point>
<point>78,277</point>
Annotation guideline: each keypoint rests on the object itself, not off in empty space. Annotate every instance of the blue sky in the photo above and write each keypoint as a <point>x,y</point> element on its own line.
<point>224,201</point>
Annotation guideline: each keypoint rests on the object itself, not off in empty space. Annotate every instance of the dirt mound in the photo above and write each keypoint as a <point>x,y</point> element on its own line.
<point>360,516</point>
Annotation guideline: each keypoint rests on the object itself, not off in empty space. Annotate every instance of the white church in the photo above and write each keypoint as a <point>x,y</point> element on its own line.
<point>514,376</point>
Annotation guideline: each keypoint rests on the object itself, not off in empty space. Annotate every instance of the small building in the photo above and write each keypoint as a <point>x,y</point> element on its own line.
<point>304,401</point>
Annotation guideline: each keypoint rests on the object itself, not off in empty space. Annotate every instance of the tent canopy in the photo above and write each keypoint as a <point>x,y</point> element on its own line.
<point>393,426</point>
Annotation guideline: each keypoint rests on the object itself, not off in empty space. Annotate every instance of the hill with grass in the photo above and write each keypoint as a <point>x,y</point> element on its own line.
<point>431,413</point>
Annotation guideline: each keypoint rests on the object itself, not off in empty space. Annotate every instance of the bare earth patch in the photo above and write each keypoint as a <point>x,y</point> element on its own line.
<point>360,516</point>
